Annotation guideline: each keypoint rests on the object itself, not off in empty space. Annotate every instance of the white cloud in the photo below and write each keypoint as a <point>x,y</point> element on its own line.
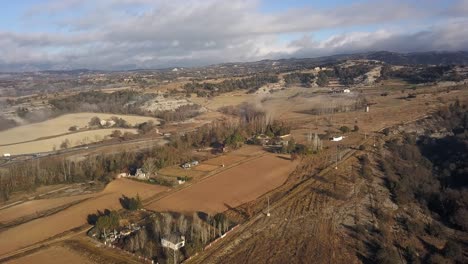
<point>111,34</point>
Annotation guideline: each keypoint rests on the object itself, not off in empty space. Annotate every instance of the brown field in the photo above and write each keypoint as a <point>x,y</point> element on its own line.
<point>227,160</point>
<point>76,139</point>
<point>231,187</point>
<point>205,167</point>
<point>36,206</point>
<point>248,150</point>
<point>176,171</point>
<point>59,126</point>
<point>43,228</point>
<point>53,255</point>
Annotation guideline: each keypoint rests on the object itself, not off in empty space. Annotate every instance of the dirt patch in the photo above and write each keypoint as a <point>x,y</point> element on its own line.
<point>231,187</point>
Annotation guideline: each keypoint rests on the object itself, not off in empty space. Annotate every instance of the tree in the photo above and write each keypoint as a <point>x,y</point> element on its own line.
<point>95,122</point>
<point>150,166</point>
<point>322,79</point>
<point>116,134</point>
<point>452,250</point>
<point>73,128</point>
<point>65,144</point>
<point>356,128</point>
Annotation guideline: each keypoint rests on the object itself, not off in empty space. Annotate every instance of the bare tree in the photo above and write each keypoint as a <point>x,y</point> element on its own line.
<point>149,166</point>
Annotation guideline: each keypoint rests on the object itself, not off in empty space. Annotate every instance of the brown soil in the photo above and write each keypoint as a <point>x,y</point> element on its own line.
<point>231,187</point>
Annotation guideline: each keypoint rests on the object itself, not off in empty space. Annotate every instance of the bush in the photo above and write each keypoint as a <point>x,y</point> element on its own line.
<point>131,204</point>
<point>452,250</point>
<point>387,255</point>
<point>438,259</point>
<point>411,255</point>
<point>345,129</point>
<point>435,229</point>
<point>362,147</point>
<point>386,131</point>
<point>73,128</point>
<point>356,128</point>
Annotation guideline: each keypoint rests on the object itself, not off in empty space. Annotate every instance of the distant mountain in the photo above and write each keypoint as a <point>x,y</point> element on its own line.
<point>414,58</point>
<point>431,57</point>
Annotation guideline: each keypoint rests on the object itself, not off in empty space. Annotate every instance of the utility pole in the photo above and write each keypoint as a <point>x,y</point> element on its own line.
<point>268,208</point>
<point>336,160</point>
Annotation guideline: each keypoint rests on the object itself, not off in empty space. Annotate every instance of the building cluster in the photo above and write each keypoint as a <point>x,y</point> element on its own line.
<point>190,164</point>
<point>114,235</point>
<point>139,175</point>
<point>107,123</point>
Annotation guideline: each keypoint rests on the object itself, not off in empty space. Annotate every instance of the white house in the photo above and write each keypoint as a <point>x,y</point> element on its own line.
<point>6,155</point>
<point>346,91</point>
<point>173,241</point>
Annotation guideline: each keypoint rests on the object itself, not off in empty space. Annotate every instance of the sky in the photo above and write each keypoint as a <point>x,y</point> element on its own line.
<point>137,34</point>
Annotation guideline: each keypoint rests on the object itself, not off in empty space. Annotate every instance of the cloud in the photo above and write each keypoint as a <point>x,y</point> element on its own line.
<point>119,34</point>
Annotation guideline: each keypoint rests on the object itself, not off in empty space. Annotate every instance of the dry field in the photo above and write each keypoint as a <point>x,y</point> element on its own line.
<point>34,207</point>
<point>59,126</point>
<point>75,139</point>
<point>231,187</point>
<point>205,167</point>
<point>75,216</point>
<point>227,160</point>
<point>176,171</point>
<point>53,255</point>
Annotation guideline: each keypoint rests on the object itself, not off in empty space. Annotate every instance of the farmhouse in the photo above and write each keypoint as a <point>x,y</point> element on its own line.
<point>190,164</point>
<point>173,241</point>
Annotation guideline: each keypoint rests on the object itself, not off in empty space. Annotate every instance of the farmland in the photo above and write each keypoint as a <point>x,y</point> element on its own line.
<point>53,255</point>
<point>51,144</point>
<point>75,216</point>
<point>59,126</point>
<point>231,187</point>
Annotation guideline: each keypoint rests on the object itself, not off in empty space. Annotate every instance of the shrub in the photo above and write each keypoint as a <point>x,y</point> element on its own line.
<point>132,204</point>
<point>435,229</point>
<point>344,129</point>
<point>452,250</point>
<point>387,255</point>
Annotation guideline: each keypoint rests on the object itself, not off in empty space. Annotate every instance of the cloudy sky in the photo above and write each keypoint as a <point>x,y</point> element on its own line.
<point>129,34</point>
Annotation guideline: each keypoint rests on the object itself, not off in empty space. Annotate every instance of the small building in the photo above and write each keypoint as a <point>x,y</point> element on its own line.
<point>186,165</point>
<point>337,138</point>
<point>367,108</point>
<point>346,91</point>
<point>194,163</point>
<point>6,155</point>
<point>180,181</point>
<point>103,122</point>
<point>173,241</point>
